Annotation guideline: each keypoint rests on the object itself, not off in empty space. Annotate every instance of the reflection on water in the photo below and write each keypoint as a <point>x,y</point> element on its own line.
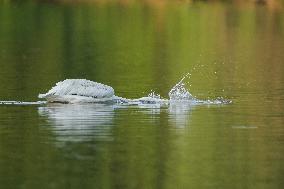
<point>94,122</point>
<point>79,122</point>
<point>179,114</point>
<point>136,48</point>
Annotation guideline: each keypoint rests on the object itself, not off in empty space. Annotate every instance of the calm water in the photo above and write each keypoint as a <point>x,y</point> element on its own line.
<point>236,52</point>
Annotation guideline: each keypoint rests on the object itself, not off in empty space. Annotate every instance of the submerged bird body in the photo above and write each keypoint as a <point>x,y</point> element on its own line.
<point>78,90</point>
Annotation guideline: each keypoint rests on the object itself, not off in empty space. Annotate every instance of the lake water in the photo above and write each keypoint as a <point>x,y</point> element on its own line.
<point>231,51</point>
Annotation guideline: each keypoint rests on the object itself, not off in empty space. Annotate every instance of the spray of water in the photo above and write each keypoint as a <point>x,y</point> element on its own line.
<point>178,93</point>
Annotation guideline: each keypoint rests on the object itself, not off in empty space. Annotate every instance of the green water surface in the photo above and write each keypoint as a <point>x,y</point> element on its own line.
<point>231,51</point>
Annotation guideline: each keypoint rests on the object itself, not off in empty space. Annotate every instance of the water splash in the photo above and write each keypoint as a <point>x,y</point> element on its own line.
<point>153,94</point>
<point>178,93</point>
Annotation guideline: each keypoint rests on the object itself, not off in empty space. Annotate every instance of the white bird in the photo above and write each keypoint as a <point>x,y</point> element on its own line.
<point>78,90</point>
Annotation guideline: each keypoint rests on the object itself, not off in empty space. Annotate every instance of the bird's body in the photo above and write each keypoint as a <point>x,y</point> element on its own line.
<point>78,90</point>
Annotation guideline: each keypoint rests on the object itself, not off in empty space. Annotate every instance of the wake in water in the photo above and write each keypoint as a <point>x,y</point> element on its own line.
<point>85,91</point>
<point>22,103</point>
<point>178,94</point>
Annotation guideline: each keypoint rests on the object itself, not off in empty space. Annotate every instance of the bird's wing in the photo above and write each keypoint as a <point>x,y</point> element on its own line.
<point>80,87</point>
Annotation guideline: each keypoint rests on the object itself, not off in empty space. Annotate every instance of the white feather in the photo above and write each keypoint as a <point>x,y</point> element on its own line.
<point>73,90</point>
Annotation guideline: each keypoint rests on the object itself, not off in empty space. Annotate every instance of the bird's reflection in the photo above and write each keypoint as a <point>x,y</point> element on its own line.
<point>79,122</point>
<point>94,122</point>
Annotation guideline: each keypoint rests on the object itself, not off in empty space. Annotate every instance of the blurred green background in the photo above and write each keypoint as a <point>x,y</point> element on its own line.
<point>233,49</point>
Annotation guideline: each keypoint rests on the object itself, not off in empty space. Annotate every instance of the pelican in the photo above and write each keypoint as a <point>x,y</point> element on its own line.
<point>78,90</point>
